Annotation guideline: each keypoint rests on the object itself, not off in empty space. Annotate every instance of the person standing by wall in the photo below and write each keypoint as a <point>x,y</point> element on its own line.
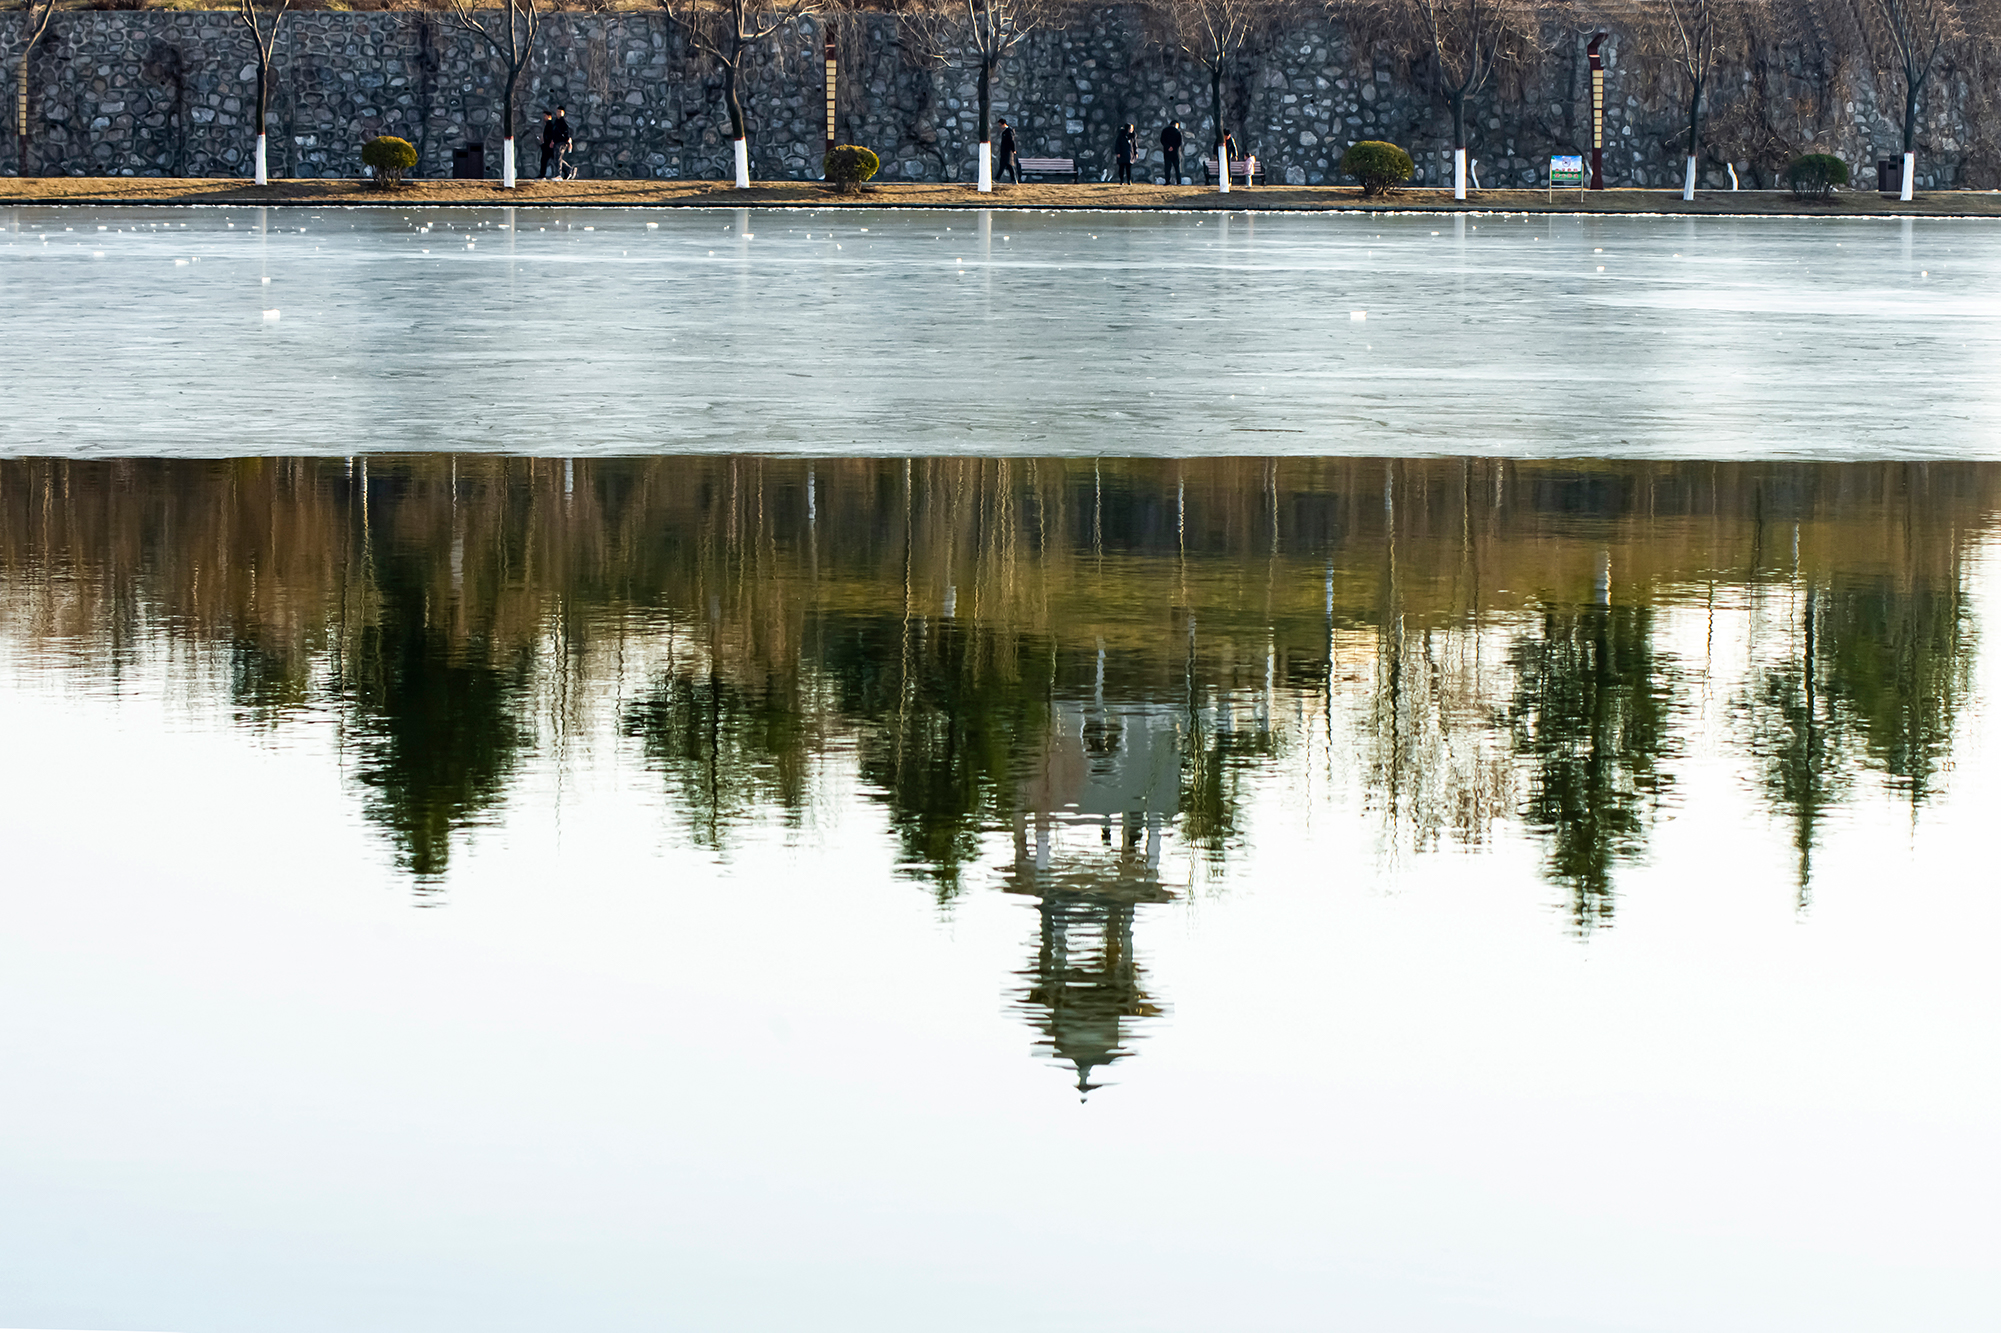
<point>548,144</point>
<point>559,132</point>
<point>1170,151</point>
<point>1010,160</point>
<point>1126,151</point>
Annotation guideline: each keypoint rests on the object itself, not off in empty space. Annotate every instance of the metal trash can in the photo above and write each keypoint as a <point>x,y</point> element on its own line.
<point>469,162</point>
<point>1890,175</point>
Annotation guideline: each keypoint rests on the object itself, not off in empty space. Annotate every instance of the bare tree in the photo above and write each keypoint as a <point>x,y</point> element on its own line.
<point>35,22</point>
<point>1905,38</point>
<point>1212,33</point>
<point>1464,42</point>
<point>726,32</point>
<point>1689,36</point>
<point>510,36</point>
<point>253,16</point>
<point>983,34</point>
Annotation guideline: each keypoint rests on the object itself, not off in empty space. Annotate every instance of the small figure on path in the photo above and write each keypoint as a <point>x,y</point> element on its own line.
<point>1009,162</point>
<point>559,134</point>
<point>1170,150</point>
<point>548,144</point>
<point>1127,150</point>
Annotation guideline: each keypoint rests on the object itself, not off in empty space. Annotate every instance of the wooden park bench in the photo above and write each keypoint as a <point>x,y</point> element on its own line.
<point>1247,170</point>
<point>1050,166</point>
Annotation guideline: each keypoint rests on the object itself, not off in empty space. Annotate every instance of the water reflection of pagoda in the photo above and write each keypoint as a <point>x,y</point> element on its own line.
<point>1087,844</point>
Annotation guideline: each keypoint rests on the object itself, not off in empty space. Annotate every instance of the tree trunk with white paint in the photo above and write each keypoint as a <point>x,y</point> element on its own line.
<point>507,163</point>
<point>1222,168</point>
<point>742,149</point>
<point>985,90</point>
<point>263,178</point>
<point>1910,172</point>
<point>1694,136</point>
<point>1459,143</point>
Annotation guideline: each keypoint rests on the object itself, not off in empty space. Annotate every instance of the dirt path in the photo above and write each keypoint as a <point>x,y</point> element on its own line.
<point>126,190</point>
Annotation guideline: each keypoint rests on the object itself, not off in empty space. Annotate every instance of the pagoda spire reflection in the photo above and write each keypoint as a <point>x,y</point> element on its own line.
<point>1089,826</point>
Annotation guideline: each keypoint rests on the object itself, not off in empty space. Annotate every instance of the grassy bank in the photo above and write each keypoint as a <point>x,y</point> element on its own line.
<point>794,194</point>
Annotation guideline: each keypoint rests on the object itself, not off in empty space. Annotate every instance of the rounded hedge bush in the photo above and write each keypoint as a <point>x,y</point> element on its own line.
<point>1816,175</point>
<point>388,157</point>
<point>849,165</point>
<point>1381,167</point>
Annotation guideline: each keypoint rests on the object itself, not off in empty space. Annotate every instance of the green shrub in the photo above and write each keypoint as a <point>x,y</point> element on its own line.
<point>848,166</point>
<point>1381,167</point>
<point>388,157</point>
<point>1816,175</point>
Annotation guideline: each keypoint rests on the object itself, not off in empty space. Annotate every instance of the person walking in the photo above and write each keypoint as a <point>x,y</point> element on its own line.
<point>1009,161</point>
<point>559,134</point>
<point>1170,151</point>
<point>1127,150</point>
<point>548,143</point>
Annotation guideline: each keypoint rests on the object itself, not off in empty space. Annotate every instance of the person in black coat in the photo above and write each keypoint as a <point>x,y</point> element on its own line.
<point>1170,150</point>
<point>1126,151</point>
<point>1009,162</point>
<point>548,143</point>
<point>559,134</point>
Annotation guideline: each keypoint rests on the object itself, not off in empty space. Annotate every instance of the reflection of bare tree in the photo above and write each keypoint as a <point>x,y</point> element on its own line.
<point>1800,740</point>
<point>1590,717</point>
<point>728,751</point>
<point>1878,672</point>
<point>1435,770</point>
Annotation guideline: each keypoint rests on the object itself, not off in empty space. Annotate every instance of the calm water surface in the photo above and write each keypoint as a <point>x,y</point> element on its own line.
<point>461,891</point>
<point>238,331</point>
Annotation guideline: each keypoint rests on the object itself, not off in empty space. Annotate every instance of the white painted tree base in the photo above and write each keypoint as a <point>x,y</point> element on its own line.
<point>262,178</point>
<point>1910,170</point>
<point>1459,173</point>
<point>507,163</point>
<point>1688,182</point>
<point>986,167</point>
<point>742,147</point>
<point>1222,170</point>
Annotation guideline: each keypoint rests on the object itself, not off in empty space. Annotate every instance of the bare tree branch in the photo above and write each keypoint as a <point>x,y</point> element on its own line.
<point>725,31</point>
<point>510,36</point>
<point>252,16</point>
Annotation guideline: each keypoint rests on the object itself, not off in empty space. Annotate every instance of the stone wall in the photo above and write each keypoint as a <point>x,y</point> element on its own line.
<point>146,93</point>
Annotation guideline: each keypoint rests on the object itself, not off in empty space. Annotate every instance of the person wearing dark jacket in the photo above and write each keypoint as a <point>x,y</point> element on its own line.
<point>559,134</point>
<point>1170,149</point>
<point>1126,151</point>
<point>548,143</point>
<point>1009,162</point>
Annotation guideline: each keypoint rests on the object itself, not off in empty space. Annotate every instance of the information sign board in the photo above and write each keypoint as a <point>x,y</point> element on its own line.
<point>1566,171</point>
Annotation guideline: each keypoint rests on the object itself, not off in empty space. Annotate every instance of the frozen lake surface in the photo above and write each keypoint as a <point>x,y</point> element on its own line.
<point>245,331</point>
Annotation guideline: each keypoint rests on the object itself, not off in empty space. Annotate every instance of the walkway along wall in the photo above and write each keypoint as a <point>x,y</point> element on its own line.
<point>147,93</point>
